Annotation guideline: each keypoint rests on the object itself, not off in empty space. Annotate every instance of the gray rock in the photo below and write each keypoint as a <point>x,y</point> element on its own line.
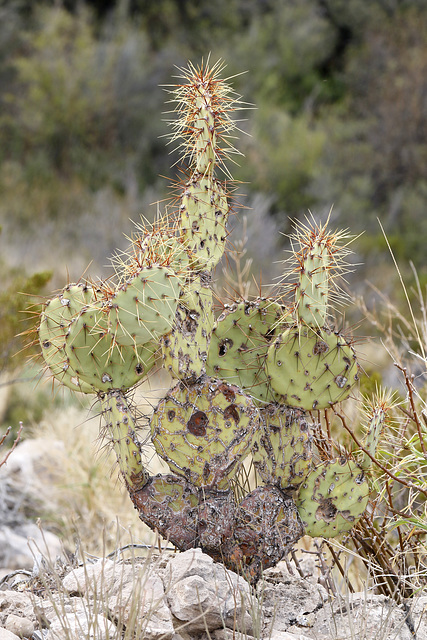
<point>290,600</point>
<point>364,616</point>
<point>20,545</point>
<point>7,635</point>
<point>15,603</point>
<point>81,623</point>
<point>204,595</point>
<point>97,578</point>
<point>21,627</point>
<point>138,601</point>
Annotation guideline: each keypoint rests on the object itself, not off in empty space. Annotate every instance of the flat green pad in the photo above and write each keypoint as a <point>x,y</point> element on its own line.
<point>205,430</point>
<point>185,348</point>
<point>240,340</point>
<point>204,214</point>
<point>311,368</point>
<point>94,355</point>
<point>120,427</point>
<point>55,320</point>
<point>333,498</point>
<point>143,309</point>
<point>283,451</point>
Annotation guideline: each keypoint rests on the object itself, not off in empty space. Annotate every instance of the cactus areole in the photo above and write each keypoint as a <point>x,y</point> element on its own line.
<point>244,382</point>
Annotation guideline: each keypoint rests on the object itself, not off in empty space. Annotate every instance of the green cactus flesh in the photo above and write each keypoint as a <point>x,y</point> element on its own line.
<point>204,214</point>
<point>98,360</point>
<point>311,368</point>
<point>120,428</point>
<point>204,430</point>
<point>185,348</point>
<point>239,344</point>
<point>55,321</point>
<point>282,452</point>
<point>144,308</point>
<point>312,294</point>
<point>332,498</point>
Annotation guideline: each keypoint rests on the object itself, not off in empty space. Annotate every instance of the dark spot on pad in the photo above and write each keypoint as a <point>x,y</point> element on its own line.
<point>197,423</point>
<point>224,346</point>
<point>231,412</point>
<point>171,414</point>
<point>326,510</point>
<point>320,347</point>
<point>227,392</point>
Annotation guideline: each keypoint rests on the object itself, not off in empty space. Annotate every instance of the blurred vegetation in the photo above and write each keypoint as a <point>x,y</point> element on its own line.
<point>340,92</point>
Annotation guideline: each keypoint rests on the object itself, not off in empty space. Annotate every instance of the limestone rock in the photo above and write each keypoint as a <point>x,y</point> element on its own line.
<point>20,545</point>
<point>290,600</point>
<point>203,594</point>
<point>21,627</point>
<point>367,616</point>
<point>15,603</point>
<point>96,578</point>
<point>7,635</point>
<point>81,623</point>
<point>139,599</point>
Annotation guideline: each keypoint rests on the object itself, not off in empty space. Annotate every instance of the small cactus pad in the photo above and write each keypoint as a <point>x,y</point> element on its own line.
<point>283,451</point>
<point>120,428</point>
<point>239,343</point>
<point>311,368</point>
<point>98,360</point>
<point>204,214</point>
<point>185,348</point>
<point>332,498</point>
<point>144,308</point>
<point>205,430</point>
<point>55,320</point>
<point>267,525</point>
<point>157,243</point>
<point>169,504</point>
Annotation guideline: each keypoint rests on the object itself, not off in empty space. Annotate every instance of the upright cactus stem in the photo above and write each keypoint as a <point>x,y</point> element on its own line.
<point>120,426</point>
<point>206,140</point>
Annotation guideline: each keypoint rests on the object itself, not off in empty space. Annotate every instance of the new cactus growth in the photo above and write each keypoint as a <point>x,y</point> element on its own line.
<point>310,364</point>
<point>243,383</point>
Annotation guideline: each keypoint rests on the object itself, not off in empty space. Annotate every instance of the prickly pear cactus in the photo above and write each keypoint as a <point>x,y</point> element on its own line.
<point>240,340</point>
<point>311,364</point>
<point>283,449</point>
<point>332,498</point>
<point>244,383</point>
<point>205,430</point>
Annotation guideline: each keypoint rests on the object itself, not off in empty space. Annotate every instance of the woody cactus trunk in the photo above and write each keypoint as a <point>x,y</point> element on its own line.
<point>245,382</point>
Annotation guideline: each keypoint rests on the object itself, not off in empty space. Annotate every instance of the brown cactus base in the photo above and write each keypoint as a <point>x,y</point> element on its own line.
<point>247,538</point>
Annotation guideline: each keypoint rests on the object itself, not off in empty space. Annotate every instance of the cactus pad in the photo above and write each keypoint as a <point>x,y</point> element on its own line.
<point>55,320</point>
<point>169,504</point>
<point>283,451</point>
<point>204,214</point>
<point>311,368</point>
<point>98,360</point>
<point>185,348</point>
<point>239,343</point>
<point>120,427</point>
<point>332,498</point>
<point>204,430</point>
<point>144,308</point>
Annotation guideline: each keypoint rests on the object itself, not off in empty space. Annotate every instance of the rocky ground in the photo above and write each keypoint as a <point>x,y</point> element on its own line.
<point>45,595</point>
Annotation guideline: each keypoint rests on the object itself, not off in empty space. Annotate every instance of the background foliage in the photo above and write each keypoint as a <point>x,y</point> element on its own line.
<point>340,95</point>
